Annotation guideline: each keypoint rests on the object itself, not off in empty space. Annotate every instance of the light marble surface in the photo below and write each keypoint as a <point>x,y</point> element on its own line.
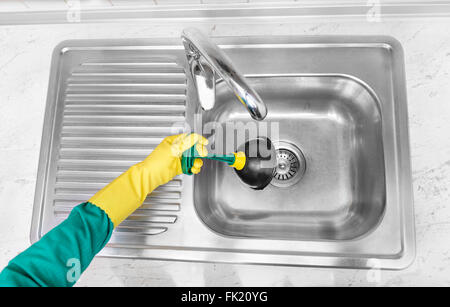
<point>24,71</point>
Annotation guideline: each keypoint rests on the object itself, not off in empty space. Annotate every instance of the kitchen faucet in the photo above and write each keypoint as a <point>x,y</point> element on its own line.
<point>207,62</point>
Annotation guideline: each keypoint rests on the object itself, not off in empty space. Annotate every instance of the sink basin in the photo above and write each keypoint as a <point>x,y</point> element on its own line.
<point>337,111</point>
<point>335,121</point>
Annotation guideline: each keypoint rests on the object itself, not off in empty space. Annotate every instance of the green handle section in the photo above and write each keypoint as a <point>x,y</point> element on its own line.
<point>188,157</point>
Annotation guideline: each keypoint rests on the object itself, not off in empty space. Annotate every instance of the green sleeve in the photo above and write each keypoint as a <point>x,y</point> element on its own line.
<point>60,256</point>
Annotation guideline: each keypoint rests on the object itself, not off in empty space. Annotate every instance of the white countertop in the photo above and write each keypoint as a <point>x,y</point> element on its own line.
<point>24,71</point>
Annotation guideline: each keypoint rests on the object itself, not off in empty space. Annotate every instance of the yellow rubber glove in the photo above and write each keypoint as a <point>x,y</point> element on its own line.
<point>127,192</point>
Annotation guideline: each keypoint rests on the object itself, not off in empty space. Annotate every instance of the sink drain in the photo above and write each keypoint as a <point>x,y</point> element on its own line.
<point>291,165</point>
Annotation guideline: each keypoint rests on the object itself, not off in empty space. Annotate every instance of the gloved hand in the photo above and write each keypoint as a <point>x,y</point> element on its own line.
<point>127,192</point>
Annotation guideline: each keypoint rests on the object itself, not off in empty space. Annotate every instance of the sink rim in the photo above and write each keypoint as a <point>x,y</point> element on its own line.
<point>199,243</point>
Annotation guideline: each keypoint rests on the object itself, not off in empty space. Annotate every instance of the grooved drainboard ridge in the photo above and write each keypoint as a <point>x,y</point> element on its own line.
<point>115,113</point>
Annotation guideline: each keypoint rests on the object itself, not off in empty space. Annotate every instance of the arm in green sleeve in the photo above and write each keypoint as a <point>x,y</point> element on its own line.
<point>60,256</point>
<point>54,260</point>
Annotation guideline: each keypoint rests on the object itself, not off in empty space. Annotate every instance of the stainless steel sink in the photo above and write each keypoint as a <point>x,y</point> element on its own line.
<point>334,122</point>
<point>342,198</point>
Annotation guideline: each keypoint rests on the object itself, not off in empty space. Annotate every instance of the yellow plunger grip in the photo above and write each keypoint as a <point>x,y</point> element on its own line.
<point>239,160</point>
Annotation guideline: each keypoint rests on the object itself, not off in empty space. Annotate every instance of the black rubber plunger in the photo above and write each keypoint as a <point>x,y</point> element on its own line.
<point>260,163</point>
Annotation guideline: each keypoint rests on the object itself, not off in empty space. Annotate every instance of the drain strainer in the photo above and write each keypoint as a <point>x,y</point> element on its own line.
<point>291,165</point>
<point>287,165</point>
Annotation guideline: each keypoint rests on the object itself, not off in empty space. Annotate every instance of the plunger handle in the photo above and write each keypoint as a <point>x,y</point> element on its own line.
<point>236,160</point>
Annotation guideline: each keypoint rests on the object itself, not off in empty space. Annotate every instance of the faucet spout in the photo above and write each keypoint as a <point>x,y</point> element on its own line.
<point>206,60</point>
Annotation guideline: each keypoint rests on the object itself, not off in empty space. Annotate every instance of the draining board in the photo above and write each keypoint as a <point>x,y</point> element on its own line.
<point>108,107</point>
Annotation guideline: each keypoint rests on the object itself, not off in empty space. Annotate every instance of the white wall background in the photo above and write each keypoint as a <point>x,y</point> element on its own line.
<point>24,5</point>
<point>32,5</point>
<point>47,5</point>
